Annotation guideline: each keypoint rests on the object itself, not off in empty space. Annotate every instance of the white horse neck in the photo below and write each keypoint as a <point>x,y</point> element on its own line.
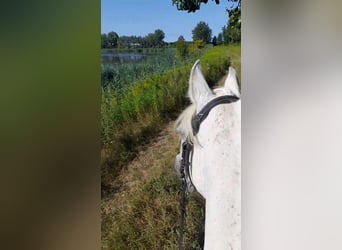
<point>217,175</point>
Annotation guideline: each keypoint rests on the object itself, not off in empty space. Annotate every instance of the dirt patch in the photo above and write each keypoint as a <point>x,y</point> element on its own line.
<point>148,164</point>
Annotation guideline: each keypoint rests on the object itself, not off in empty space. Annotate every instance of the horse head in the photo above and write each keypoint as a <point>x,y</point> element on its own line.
<point>212,126</point>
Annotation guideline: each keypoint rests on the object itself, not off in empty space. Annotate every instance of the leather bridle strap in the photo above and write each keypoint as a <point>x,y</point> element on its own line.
<point>202,115</point>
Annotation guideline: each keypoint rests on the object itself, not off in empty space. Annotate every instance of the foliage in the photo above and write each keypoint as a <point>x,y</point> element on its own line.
<point>220,39</point>
<point>154,39</point>
<point>107,75</point>
<point>214,41</point>
<point>190,5</point>
<point>157,61</point>
<point>109,40</point>
<point>182,48</point>
<point>113,40</point>
<point>134,113</point>
<point>104,41</point>
<point>199,44</point>
<point>131,102</point>
<point>193,5</point>
<point>232,31</point>
<point>196,46</point>
<point>202,32</point>
<point>215,64</point>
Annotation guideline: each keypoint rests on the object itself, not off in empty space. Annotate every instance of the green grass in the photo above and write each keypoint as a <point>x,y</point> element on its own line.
<point>215,62</point>
<point>150,220</point>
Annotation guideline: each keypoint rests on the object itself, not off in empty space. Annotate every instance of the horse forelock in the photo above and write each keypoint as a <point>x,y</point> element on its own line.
<point>183,123</point>
<point>220,91</point>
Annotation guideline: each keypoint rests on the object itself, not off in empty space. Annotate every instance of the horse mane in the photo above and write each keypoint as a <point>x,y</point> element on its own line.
<point>183,123</point>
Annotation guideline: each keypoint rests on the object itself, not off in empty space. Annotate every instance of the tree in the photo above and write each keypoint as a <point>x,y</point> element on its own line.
<point>182,47</point>
<point>154,39</point>
<point>104,41</point>
<point>225,34</point>
<point>159,36</point>
<point>220,38</point>
<point>112,39</point>
<point>232,32</point>
<point>181,38</point>
<point>214,41</point>
<point>201,32</point>
<point>190,5</point>
<point>193,5</point>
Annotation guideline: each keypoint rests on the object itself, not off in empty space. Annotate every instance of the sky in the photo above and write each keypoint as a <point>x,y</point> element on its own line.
<point>141,17</point>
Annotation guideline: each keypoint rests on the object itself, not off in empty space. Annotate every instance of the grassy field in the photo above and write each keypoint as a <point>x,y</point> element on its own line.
<point>140,197</point>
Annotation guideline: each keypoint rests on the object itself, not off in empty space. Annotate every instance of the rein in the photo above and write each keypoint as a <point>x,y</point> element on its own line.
<point>187,152</point>
<point>185,174</point>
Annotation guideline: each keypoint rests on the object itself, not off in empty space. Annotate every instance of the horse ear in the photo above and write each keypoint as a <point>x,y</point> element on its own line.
<point>231,84</point>
<point>198,87</point>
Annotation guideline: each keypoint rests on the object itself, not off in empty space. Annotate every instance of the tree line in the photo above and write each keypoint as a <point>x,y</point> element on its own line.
<point>113,40</point>
<point>202,32</point>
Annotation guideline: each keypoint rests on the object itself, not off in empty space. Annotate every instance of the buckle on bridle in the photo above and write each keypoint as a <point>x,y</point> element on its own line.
<point>187,149</point>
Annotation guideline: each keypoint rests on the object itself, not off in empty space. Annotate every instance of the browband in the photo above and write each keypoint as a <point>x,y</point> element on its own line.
<point>202,115</point>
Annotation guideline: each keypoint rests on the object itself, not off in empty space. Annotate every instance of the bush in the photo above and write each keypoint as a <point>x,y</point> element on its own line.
<point>182,49</point>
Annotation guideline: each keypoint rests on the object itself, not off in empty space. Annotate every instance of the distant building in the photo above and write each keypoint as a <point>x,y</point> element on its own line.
<point>134,44</point>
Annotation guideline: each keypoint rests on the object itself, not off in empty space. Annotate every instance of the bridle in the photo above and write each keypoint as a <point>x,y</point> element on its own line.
<point>187,153</point>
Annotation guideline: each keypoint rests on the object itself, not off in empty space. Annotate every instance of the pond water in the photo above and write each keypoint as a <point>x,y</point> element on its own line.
<point>121,58</point>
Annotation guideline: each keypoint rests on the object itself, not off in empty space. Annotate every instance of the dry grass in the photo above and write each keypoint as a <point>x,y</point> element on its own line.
<point>147,163</point>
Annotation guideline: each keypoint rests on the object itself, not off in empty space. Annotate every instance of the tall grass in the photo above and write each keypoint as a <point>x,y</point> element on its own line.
<point>133,114</point>
<point>156,61</point>
<point>150,219</point>
<point>215,62</point>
